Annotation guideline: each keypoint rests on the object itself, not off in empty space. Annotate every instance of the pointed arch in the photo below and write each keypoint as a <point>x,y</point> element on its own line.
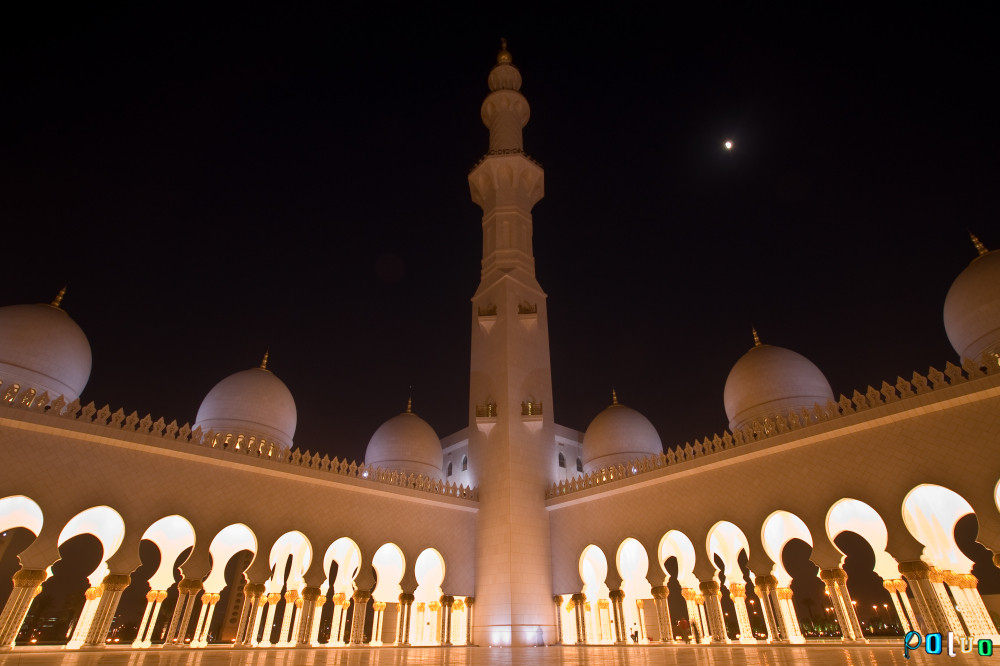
<point>930,513</point>
<point>104,523</point>
<point>20,511</point>
<point>171,535</point>
<point>778,529</point>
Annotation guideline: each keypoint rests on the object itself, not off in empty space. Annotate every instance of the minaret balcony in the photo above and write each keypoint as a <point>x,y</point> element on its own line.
<point>527,313</point>
<point>531,414</point>
<point>487,316</point>
<point>486,417</point>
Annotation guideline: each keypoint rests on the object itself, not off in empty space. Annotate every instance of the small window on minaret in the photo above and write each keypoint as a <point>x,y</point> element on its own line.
<point>465,463</point>
<point>449,469</point>
<point>562,461</point>
<point>579,465</point>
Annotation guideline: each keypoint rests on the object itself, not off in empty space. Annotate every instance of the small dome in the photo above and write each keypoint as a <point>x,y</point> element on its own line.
<point>972,307</point>
<point>407,443</point>
<point>619,434</point>
<point>252,402</point>
<point>769,381</point>
<point>42,348</point>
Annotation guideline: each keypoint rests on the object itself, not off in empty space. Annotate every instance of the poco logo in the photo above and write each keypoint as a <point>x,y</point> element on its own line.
<point>936,644</point>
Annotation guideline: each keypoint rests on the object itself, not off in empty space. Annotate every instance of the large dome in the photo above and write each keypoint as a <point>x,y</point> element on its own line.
<point>407,443</point>
<point>42,348</point>
<point>252,402</point>
<point>769,381</point>
<point>972,307</point>
<point>619,434</point>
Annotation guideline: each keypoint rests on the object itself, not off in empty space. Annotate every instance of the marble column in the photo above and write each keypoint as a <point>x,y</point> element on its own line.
<point>272,605</point>
<point>312,635</point>
<point>764,587</point>
<point>663,623</point>
<point>695,631</point>
<point>284,634</point>
<point>143,639</point>
<point>92,597</point>
<point>579,608</point>
<point>618,614</point>
<point>558,601</point>
<point>358,619</point>
<point>253,597</point>
<point>836,585</point>
<point>896,587</point>
<point>302,635</point>
<point>405,607</point>
<point>469,602</point>
<point>208,602</point>
<point>111,593</point>
<point>27,585</point>
<point>933,604</point>
<point>711,591</point>
<point>738,592</point>
<point>977,618</point>
<point>447,603</point>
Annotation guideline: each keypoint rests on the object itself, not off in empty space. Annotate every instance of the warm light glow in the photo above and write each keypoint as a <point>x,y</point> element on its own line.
<point>728,145</point>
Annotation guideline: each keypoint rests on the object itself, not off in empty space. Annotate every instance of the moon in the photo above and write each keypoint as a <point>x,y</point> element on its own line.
<point>727,144</point>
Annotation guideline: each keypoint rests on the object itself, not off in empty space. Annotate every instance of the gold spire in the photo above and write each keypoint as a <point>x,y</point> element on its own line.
<point>263,362</point>
<point>980,248</point>
<point>614,397</point>
<point>756,338</point>
<point>57,301</point>
<point>503,57</point>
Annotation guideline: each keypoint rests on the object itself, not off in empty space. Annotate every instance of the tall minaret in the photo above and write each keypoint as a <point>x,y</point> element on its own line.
<point>512,452</point>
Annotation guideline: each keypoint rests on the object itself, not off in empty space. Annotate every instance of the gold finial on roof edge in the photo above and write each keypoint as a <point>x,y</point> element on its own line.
<point>614,397</point>
<point>756,338</point>
<point>263,362</point>
<point>503,57</point>
<point>57,301</point>
<point>980,248</point>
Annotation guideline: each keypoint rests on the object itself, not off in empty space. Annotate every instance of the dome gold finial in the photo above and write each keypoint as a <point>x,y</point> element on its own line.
<point>409,402</point>
<point>980,248</point>
<point>756,338</point>
<point>263,362</point>
<point>503,57</point>
<point>57,301</point>
<point>614,397</point>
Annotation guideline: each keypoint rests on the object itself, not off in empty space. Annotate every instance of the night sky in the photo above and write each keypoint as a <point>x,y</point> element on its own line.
<point>211,182</point>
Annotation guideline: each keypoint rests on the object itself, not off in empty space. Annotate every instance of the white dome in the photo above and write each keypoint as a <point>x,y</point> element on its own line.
<point>252,402</point>
<point>407,443</point>
<point>42,348</point>
<point>769,381</point>
<point>972,308</point>
<point>619,434</point>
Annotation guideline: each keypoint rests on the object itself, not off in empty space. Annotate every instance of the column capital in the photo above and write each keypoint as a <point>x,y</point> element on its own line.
<point>273,598</point>
<point>738,590</point>
<point>447,600</point>
<point>767,582</point>
<point>579,598</point>
<point>29,577</point>
<point>837,574</point>
<point>661,592</point>
<point>407,598</point>
<point>616,595</point>
<point>709,588</point>
<point>116,582</point>
<point>253,589</point>
<point>291,596</point>
<point>93,593</point>
<point>378,605</point>
<point>189,586</point>
<point>557,600</point>
<point>783,593</point>
<point>469,601</point>
<point>688,593</point>
<point>311,593</point>
<point>915,570</point>
<point>361,596</point>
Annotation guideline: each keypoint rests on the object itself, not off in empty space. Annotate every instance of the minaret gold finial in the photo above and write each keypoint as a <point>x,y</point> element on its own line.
<point>980,248</point>
<point>503,57</point>
<point>263,362</point>
<point>756,338</point>
<point>614,397</point>
<point>57,301</point>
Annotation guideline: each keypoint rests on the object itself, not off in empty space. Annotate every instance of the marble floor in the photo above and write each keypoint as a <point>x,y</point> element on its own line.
<point>817,655</point>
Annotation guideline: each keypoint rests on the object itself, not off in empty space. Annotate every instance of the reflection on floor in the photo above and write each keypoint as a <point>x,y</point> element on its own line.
<point>590,656</point>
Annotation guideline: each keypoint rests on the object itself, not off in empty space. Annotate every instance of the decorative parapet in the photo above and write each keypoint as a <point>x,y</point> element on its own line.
<point>760,430</point>
<point>486,411</point>
<point>238,444</point>
<point>530,408</point>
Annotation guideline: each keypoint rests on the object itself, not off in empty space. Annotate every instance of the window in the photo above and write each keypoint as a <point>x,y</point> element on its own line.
<point>449,469</point>
<point>562,460</point>
<point>579,465</point>
<point>465,463</point>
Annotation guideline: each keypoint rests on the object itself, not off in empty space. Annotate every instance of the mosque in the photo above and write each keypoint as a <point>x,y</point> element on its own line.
<point>515,530</point>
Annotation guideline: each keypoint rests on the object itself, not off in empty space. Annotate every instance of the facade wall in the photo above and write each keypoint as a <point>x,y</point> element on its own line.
<point>69,470</point>
<point>950,437</point>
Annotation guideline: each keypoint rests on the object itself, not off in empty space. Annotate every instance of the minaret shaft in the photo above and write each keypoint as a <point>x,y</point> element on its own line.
<point>511,454</point>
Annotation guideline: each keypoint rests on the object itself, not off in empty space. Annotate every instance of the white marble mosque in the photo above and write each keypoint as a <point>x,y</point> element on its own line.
<point>515,530</point>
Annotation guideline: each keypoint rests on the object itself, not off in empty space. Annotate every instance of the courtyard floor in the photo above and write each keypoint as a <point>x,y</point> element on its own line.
<point>818,655</point>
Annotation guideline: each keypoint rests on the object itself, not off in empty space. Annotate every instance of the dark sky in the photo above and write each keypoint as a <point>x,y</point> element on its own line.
<point>214,181</point>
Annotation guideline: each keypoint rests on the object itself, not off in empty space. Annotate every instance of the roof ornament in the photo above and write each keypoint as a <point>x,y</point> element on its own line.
<point>980,248</point>
<point>57,301</point>
<point>263,362</point>
<point>503,56</point>
<point>409,402</point>
<point>614,397</point>
<point>756,338</point>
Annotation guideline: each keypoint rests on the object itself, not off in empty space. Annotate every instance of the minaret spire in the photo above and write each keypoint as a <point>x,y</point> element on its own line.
<point>57,301</point>
<point>978,244</point>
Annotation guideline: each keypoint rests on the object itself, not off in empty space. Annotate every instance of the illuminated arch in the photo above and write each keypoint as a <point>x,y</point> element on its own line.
<point>930,513</point>
<point>389,565</point>
<point>296,545</point>
<point>851,515</point>
<point>20,511</point>
<point>727,541</point>
<point>779,528</point>
<point>230,540</point>
<point>676,544</point>
<point>104,523</point>
<point>172,535</point>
